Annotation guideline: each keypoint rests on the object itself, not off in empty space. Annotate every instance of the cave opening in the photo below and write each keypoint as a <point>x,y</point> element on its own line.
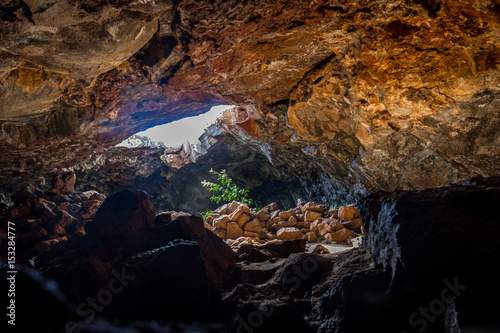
<point>176,133</point>
<point>365,134</point>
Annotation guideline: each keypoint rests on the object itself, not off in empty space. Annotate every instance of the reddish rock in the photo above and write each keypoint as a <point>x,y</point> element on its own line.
<point>233,230</point>
<point>339,236</point>
<point>310,216</point>
<point>347,213</point>
<point>243,219</point>
<point>288,233</point>
<point>285,215</point>
<point>353,224</point>
<point>314,207</point>
<point>64,182</point>
<point>27,193</point>
<point>253,226</point>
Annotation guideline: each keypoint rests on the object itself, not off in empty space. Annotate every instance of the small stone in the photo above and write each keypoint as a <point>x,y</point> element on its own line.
<point>270,208</point>
<point>222,209</point>
<point>353,224</point>
<point>251,234</point>
<point>277,219</point>
<point>311,237</point>
<point>347,213</point>
<point>335,224</point>
<point>287,214</point>
<point>233,230</point>
<point>333,213</point>
<point>320,249</point>
<point>271,236</point>
<point>292,221</point>
<point>221,233</point>
<point>253,227</point>
<point>98,196</point>
<point>310,216</point>
<point>64,182</point>
<point>325,229</point>
<point>44,208</point>
<point>243,219</point>
<point>210,220</point>
<point>66,206</point>
<point>243,208</point>
<point>261,215</point>
<point>90,214</point>
<point>231,207</point>
<point>315,225</point>
<point>76,197</point>
<point>314,207</point>
<point>288,233</point>
<point>221,222</point>
<point>61,198</point>
<point>91,204</point>
<point>339,236</point>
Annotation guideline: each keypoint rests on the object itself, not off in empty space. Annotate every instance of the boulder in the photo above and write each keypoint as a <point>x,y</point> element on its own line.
<point>353,224</point>
<point>336,224</point>
<point>253,226</point>
<point>221,222</point>
<point>311,237</point>
<point>339,236</point>
<point>233,230</point>
<point>324,229</point>
<point>287,247</point>
<point>243,219</point>
<point>123,214</point>
<point>288,233</point>
<point>261,215</point>
<point>285,215</point>
<point>315,225</point>
<point>310,216</point>
<point>292,221</point>
<point>313,207</point>
<point>242,208</point>
<point>347,213</point>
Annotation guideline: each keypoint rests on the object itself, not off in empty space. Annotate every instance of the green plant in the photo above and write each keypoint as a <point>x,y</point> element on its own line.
<point>206,214</point>
<point>227,189</point>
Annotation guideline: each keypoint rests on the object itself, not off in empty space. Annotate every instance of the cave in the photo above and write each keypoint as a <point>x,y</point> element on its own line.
<point>360,153</point>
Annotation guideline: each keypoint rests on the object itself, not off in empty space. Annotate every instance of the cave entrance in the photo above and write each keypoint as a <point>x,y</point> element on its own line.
<point>176,133</point>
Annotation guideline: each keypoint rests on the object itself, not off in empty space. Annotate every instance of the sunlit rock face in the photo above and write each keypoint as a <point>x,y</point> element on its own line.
<point>364,94</point>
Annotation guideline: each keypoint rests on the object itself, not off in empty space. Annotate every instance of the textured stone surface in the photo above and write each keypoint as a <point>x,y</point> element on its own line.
<point>365,94</point>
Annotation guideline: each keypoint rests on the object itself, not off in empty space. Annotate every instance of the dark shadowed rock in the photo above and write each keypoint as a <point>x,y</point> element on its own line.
<point>170,270</point>
<point>285,248</point>
<point>38,303</point>
<point>430,248</point>
<point>122,215</point>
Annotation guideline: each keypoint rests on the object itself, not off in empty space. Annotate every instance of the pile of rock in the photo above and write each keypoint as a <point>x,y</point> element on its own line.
<point>42,219</point>
<point>310,221</point>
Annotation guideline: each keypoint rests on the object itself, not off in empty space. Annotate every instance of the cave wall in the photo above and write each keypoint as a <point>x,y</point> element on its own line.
<point>399,94</point>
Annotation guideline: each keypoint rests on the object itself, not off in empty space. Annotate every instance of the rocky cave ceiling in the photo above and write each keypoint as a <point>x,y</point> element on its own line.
<point>400,94</point>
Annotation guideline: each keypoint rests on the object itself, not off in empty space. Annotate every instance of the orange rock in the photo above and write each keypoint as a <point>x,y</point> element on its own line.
<point>347,213</point>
